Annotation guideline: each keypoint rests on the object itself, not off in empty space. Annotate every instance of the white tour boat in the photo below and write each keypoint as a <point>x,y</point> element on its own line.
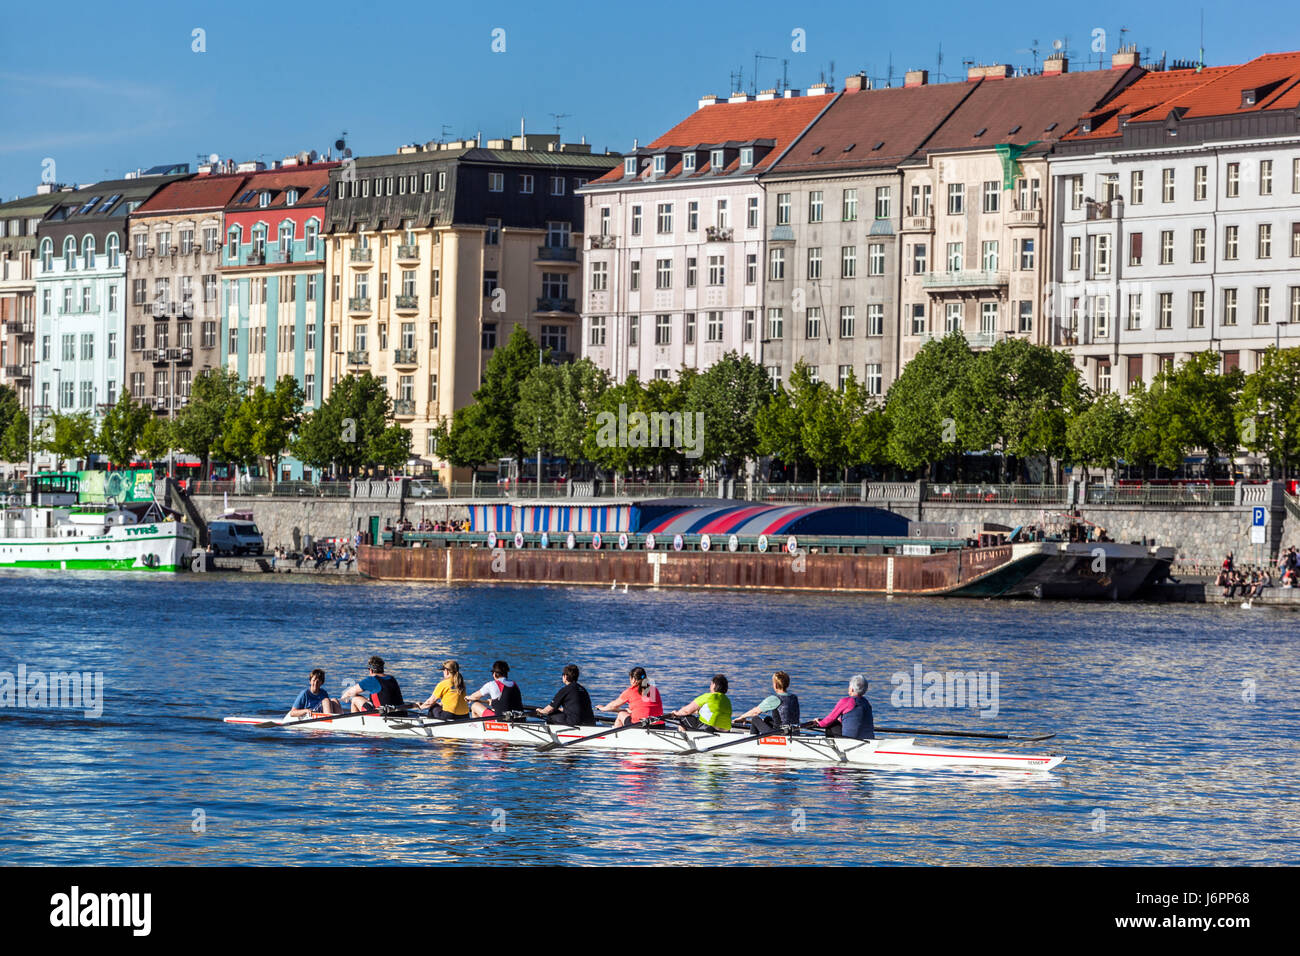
<point>53,530</point>
<point>808,747</point>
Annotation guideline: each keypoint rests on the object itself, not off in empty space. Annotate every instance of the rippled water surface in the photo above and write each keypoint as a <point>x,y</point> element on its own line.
<point>1169,758</point>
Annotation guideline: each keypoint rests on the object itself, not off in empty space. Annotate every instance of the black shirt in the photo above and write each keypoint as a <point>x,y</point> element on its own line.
<point>575,703</point>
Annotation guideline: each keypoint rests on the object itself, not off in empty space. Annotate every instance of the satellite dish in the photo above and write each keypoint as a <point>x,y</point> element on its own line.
<point>339,144</point>
<point>215,157</point>
<point>1056,44</point>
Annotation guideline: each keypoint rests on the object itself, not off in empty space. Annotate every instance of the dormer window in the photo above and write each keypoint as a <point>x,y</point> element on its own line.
<point>747,156</point>
<point>688,162</point>
<point>291,197</point>
<point>264,199</point>
<point>715,160</point>
<point>661,165</point>
<point>629,166</point>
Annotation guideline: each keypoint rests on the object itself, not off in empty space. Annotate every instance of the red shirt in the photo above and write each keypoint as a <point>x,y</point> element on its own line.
<point>649,704</point>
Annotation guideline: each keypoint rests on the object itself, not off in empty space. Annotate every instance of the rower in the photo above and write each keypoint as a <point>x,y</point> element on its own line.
<point>314,700</point>
<point>851,717</point>
<point>502,694</point>
<point>779,709</point>
<point>376,691</point>
<point>571,704</point>
<point>447,701</point>
<point>641,697</point>
<point>708,710</point>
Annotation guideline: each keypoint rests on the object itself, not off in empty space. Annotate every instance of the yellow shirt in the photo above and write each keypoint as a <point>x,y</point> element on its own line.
<point>452,701</point>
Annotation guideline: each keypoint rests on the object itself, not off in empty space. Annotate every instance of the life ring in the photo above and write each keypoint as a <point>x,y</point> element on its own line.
<point>677,542</point>
<point>705,542</point>
<point>650,541</point>
<point>570,542</point>
<point>791,545</point>
<point>595,540</point>
<point>622,541</point>
<point>733,543</point>
<point>150,561</point>
<point>762,544</point>
<point>519,540</point>
<point>492,540</point>
<point>546,539</point>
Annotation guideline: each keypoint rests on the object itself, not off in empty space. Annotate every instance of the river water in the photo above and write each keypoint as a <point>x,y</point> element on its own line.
<point>1177,721</point>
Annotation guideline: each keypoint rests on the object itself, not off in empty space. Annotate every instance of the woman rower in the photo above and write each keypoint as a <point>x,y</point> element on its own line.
<point>447,701</point>
<point>777,710</point>
<point>713,709</point>
<point>851,717</point>
<point>641,697</point>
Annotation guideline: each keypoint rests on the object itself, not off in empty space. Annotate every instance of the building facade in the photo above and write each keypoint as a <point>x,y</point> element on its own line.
<point>676,264</point>
<point>19,220</point>
<point>437,252</point>
<point>1178,222</point>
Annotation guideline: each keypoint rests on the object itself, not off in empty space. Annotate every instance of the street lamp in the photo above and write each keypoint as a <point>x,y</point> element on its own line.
<point>1277,333</point>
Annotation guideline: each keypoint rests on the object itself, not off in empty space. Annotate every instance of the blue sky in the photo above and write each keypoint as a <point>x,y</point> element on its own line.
<point>122,87</point>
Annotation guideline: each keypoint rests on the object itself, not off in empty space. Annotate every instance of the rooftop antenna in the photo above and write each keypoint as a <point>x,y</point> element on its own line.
<point>831,82</point>
<point>754,80</point>
<point>938,64</point>
<point>785,75</point>
<point>1032,50</point>
<point>442,133</point>
<point>1200,63</point>
<point>557,117</point>
<point>737,78</point>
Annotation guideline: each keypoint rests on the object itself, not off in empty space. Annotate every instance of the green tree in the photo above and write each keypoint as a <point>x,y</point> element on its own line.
<point>156,439</point>
<point>1098,433</point>
<point>928,410</point>
<point>120,431</point>
<point>867,441</point>
<point>351,428</point>
<point>13,426</point>
<point>69,436</point>
<point>1268,411</point>
<point>778,431</point>
<point>201,427</point>
<point>606,442</point>
<point>730,394</point>
<point>1193,407</point>
<point>824,428</point>
<point>264,425</point>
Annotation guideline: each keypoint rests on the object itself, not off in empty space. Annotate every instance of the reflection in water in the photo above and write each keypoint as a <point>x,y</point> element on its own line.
<point>1147,702</point>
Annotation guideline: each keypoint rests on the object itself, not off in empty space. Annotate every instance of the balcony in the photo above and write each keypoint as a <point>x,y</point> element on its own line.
<point>1025,217</point>
<point>718,234</point>
<point>405,357</point>
<point>963,280</point>
<point>557,254</point>
<point>78,310</point>
<point>918,223</point>
<point>255,258</point>
<point>602,242</point>
<point>161,403</point>
<point>18,327</point>
<point>20,372</point>
<point>976,340</point>
<point>359,357</point>
<point>1105,210</point>
<point>359,304</point>
<point>782,234</point>
<point>360,257</point>
<point>280,256</point>
<point>560,358</point>
<point>406,303</point>
<point>548,304</point>
<point>408,253</point>
<point>181,356</point>
<point>403,408</point>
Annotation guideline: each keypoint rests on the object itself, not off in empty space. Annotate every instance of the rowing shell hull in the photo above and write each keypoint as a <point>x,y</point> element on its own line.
<point>900,752</point>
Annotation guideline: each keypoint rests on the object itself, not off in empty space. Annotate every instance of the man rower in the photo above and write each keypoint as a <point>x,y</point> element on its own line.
<point>502,694</point>
<point>641,697</point>
<point>375,691</point>
<point>314,700</point>
<point>712,709</point>
<point>779,709</point>
<point>851,717</point>
<point>571,704</point>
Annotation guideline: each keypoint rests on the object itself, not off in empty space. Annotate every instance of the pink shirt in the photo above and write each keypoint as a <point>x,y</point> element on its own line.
<point>843,707</point>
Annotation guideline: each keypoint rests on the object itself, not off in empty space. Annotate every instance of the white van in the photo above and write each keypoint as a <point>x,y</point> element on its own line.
<point>231,536</point>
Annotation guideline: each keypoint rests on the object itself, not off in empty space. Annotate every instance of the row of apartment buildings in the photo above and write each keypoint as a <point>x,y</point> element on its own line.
<point>412,266</point>
<point>1131,216</point>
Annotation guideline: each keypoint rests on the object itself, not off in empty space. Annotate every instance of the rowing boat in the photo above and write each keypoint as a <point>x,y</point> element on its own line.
<point>899,752</point>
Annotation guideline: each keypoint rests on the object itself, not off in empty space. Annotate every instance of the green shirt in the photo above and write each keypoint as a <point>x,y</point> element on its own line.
<point>715,710</point>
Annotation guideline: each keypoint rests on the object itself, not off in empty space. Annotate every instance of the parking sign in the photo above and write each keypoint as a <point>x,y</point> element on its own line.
<point>1259,517</point>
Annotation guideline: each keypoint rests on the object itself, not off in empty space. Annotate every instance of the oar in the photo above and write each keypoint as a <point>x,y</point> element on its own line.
<point>748,738</point>
<point>355,713</point>
<point>554,745</point>
<point>959,733</point>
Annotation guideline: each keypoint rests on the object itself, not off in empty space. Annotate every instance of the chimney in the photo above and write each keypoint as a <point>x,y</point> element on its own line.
<point>709,100</point>
<point>739,98</point>
<point>856,83</point>
<point>790,94</point>
<point>916,78</point>
<point>1056,64</point>
<point>766,95</point>
<point>817,89</point>
<point>1124,58</point>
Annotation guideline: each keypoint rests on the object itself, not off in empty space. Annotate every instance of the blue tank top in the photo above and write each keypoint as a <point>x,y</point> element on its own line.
<point>858,723</point>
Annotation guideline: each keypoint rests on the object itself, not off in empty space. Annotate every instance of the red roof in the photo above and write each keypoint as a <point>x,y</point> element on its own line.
<point>781,120</point>
<point>195,193</point>
<point>1144,100</point>
<point>308,180</point>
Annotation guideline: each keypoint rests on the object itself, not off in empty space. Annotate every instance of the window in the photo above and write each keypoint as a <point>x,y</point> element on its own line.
<point>1167,185</point>
<point>717,270</point>
<point>433,335</point>
<point>690,328</point>
<point>1166,247</point>
<point>1262,295</point>
<point>634,276</point>
<point>919,321</point>
<point>633,326</point>
<point>813,323</point>
<point>776,264</point>
<point>716,161</point>
<point>664,218</point>
<point>87,346</point>
<point>435,283</point>
<point>489,282</point>
<point>1232,181</point>
<point>955,318</point>
<point>875,319</point>
<point>1196,312</point>
<point>1076,192</point>
<point>1295,175</point>
<point>555,285</point>
<point>747,156</point>
<point>693,216</point>
<point>492,235</point>
<point>1230,242</point>
<point>526,184</point>
<point>921,200</point>
<point>992,195</point>
<point>775,323</point>
<point>112,298</point>
<point>988,318</point>
<point>489,336</point>
<point>1295,304</point>
<point>1229,306</point>
<point>1264,241</point>
<point>663,273</point>
<point>876,259</point>
<point>663,330</point>
<point>496,184</point>
<point>955,257</point>
<point>1266,177</point>
<point>751,212</point>
<point>721,209</point>
<point>557,185</point>
<point>137,338</point>
<point>1135,187</point>
<point>139,291</point>
<point>783,209</point>
<point>1166,311</point>
<point>1134,322</point>
<point>919,251</point>
<point>1103,377</point>
<point>1101,316</point>
<point>883,202</point>
<point>208,333</point>
<point>956,199</point>
<point>629,166</point>
<point>848,262</point>
<point>70,347</point>
<point>692,271</point>
<point>555,338</point>
<point>1200,183</point>
<point>875,382</point>
<point>848,321</point>
<point>442,180</point>
<point>815,262</point>
<point>558,233</point>
<point>849,206</point>
<point>989,256</point>
<point>749,325</point>
<point>1198,245</point>
<point>636,220</point>
<point>1026,254</point>
<point>1101,255</point>
<point>596,330</point>
<point>815,206</point>
<point>1135,249</point>
<point>845,371</point>
<point>600,277</point>
<point>1025,311</point>
<point>751,268</point>
<point>69,254</point>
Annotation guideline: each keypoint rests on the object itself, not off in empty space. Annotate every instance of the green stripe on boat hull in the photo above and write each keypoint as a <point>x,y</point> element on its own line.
<point>90,564</point>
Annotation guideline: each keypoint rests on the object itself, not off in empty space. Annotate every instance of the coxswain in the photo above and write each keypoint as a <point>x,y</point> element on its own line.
<point>712,709</point>
<point>851,717</point>
<point>571,704</point>
<point>641,697</point>
<point>447,702</point>
<point>779,709</point>
<point>501,692</point>
<point>376,691</point>
<point>314,700</point>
